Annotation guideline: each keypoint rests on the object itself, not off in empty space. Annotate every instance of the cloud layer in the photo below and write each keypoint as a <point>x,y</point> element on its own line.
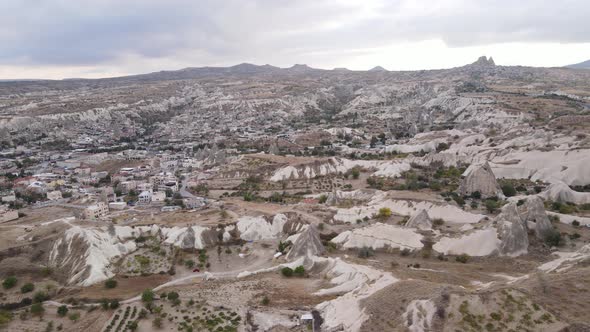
<point>95,33</point>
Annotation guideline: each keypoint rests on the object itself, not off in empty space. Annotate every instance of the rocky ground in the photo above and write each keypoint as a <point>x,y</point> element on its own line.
<point>470,213</point>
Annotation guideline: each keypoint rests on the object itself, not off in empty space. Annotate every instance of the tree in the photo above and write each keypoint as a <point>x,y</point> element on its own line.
<point>37,309</point>
<point>110,283</point>
<point>147,296</point>
<point>384,213</point>
<point>287,272</point>
<point>323,198</point>
<point>9,282</point>
<point>62,311</point>
<point>114,304</point>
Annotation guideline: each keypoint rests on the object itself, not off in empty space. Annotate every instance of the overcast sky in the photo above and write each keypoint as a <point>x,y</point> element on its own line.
<point>100,38</point>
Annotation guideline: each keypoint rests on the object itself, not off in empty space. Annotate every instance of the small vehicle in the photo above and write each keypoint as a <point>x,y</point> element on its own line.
<point>196,270</point>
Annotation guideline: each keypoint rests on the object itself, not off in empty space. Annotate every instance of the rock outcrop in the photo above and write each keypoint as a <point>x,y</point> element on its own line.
<point>512,232</point>
<point>534,211</point>
<point>480,179</point>
<point>483,61</point>
<point>561,192</point>
<point>308,244</point>
<point>420,220</point>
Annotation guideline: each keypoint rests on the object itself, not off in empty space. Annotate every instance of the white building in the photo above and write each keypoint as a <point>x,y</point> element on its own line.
<point>96,211</point>
<point>145,197</point>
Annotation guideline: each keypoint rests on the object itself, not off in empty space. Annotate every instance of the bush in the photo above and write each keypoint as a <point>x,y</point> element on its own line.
<point>110,283</point>
<point>40,297</point>
<point>5,317</point>
<point>147,296</point>
<point>26,288</point>
<point>384,213</point>
<point>553,239</point>
<point>265,300</point>
<point>74,316</point>
<point>322,199</point>
<point>173,296</point>
<point>299,271</point>
<point>355,173</point>
<point>189,263</point>
<point>287,272</point>
<point>459,200</point>
<point>476,195</point>
<point>508,190</point>
<point>575,223</point>
<point>491,205</point>
<point>37,309</point>
<point>62,310</point>
<point>157,323</point>
<point>464,258</point>
<point>405,252</point>
<point>365,252</point>
<point>9,282</point>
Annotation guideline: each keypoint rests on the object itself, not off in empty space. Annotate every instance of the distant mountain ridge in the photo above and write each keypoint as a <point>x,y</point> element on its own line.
<point>581,65</point>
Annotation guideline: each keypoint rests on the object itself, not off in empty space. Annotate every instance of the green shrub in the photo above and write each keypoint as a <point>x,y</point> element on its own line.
<point>464,258</point>
<point>355,173</point>
<point>62,310</point>
<point>365,252</point>
<point>147,296</point>
<point>287,272</point>
<point>476,195</point>
<point>5,317</point>
<point>9,282</point>
<point>575,223</point>
<point>110,283</point>
<point>508,190</point>
<point>299,271</point>
<point>114,304</point>
<point>553,239</point>
<point>322,199</point>
<point>265,300</point>
<point>40,297</point>
<point>173,296</point>
<point>74,316</point>
<point>37,309</point>
<point>28,287</point>
<point>491,205</point>
<point>384,213</point>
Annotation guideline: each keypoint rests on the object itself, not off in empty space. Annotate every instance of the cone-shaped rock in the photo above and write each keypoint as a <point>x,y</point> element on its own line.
<point>420,220</point>
<point>481,179</point>
<point>513,235</point>
<point>535,212</point>
<point>307,244</point>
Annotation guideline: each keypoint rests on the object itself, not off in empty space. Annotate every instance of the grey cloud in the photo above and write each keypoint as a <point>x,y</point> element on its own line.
<point>60,32</point>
